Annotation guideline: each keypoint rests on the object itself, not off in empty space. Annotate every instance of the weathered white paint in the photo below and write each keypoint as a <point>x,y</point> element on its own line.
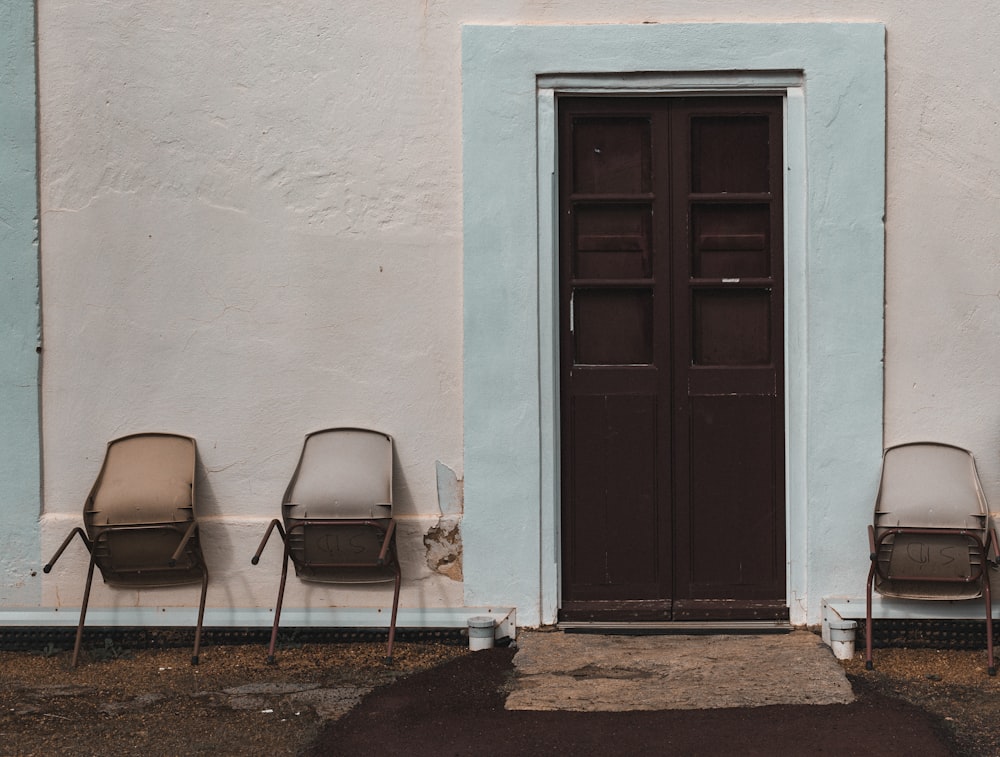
<point>19,326</point>
<point>252,228</point>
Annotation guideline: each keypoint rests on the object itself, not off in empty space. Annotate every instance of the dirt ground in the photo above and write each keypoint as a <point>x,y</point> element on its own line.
<point>153,702</point>
<point>438,699</point>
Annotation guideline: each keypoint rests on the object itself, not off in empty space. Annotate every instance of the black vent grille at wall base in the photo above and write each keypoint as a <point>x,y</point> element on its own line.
<point>926,634</point>
<point>20,639</point>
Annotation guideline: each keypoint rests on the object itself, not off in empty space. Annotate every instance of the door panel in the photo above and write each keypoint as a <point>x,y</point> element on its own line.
<point>612,241</point>
<point>611,155</point>
<point>730,239</point>
<point>728,422</point>
<point>671,357</point>
<point>731,541</point>
<point>611,348</point>
<point>730,152</point>
<point>613,326</point>
<point>616,493</point>
<point>730,327</point>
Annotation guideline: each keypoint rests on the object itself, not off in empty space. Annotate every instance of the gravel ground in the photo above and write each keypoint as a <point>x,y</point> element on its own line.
<point>153,702</point>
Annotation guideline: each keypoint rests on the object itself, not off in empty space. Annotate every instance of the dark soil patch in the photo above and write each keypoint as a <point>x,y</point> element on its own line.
<point>458,709</point>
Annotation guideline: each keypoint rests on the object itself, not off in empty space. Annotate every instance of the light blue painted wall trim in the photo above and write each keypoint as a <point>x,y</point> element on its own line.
<point>834,329</point>
<point>19,309</point>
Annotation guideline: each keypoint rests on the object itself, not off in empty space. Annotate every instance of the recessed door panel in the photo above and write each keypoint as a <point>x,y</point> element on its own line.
<point>731,327</point>
<point>734,440</point>
<point>730,240</point>
<point>611,155</point>
<point>612,241</point>
<point>613,327</point>
<point>616,492</point>
<point>730,152</point>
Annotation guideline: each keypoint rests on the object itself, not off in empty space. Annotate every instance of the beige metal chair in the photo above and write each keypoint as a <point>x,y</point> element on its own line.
<point>932,537</point>
<point>336,516</point>
<point>139,521</point>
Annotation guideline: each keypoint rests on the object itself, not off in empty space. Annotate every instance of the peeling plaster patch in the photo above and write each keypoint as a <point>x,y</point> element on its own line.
<point>443,541</point>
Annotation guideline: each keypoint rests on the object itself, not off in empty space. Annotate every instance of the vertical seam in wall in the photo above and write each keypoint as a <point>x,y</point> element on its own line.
<point>39,362</point>
<point>885,210</point>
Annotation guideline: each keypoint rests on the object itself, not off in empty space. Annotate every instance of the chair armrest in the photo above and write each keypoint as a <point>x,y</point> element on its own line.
<point>390,532</point>
<point>267,535</point>
<point>62,547</point>
<point>191,530</point>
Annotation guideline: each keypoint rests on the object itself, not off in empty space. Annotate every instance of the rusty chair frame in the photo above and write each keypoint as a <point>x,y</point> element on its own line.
<point>337,525</point>
<point>139,521</point>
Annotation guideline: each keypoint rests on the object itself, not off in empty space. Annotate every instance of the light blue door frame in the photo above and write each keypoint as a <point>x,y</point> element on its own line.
<point>833,79</point>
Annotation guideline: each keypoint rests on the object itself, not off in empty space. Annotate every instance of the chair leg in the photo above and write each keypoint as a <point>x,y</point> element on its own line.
<point>277,605</point>
<point>992,668</point>
<point>392,620</point>
<point>83,611</point>
<point>201,616</point>
<point>869,665</point>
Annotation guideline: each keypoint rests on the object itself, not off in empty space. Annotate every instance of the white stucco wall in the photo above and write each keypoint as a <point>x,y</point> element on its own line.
<point>252,233</point>
<point>252,227</point>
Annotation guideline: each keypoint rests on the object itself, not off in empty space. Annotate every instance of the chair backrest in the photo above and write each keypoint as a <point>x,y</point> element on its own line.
<point>930,485</point>
<point>145,479</point>
<point>140,508</point>
<point>337,506</point>
<point>343,473</point>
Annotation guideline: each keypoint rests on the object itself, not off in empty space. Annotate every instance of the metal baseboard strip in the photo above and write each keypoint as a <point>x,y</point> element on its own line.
<point>679,628</point>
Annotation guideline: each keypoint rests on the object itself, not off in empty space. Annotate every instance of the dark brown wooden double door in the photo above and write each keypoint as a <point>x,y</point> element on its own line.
<point>672,398</point>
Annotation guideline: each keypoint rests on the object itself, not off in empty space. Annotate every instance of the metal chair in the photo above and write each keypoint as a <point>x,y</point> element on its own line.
<point>139,521</point>
<point>932,537</point>
<point>336,516</point>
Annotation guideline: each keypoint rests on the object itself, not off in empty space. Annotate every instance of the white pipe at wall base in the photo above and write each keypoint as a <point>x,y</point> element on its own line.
<point>842,634</point>
<point>481,632</point>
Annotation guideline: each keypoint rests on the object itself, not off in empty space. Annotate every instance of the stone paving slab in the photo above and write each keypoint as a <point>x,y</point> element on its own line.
<point>615,673</point>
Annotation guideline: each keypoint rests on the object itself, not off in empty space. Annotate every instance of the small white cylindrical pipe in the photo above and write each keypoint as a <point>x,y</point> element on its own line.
<point>481,632</point>
<point>842,634</point>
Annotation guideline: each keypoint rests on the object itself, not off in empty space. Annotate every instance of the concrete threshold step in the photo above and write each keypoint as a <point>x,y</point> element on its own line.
<point>678,628</point>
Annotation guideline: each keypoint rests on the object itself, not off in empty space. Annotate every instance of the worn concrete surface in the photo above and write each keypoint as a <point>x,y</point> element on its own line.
<point>616,673</point>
